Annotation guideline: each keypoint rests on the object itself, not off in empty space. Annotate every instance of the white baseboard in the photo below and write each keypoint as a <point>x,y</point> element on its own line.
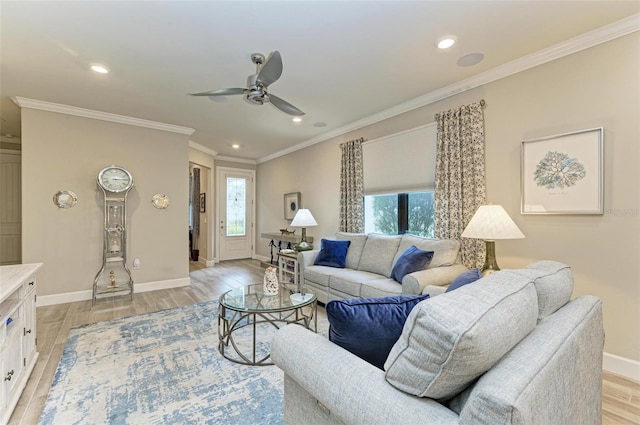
<point>69,297</point>
<point>261,258</point>
<point>621,366</point>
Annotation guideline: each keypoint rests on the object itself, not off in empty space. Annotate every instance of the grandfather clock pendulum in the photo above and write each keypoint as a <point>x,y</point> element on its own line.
<point>115,182</point>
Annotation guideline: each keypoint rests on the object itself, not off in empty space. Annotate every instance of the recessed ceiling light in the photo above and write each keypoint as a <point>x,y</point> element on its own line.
<point>297,119</point>
<point>446,41</point>
<point>100,69</point>
<point>470,59</point>
<point>235,146</point>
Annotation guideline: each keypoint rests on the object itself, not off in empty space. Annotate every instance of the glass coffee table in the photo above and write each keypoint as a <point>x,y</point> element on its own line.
<point>247,320</point>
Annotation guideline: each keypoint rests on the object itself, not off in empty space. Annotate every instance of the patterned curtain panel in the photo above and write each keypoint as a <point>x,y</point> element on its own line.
<point>195,206</point>
<point>460,177</point>
<point>351,217</point>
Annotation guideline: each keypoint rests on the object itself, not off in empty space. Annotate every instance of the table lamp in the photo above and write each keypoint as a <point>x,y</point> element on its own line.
<point>491,222</point>
<point>304,219</point>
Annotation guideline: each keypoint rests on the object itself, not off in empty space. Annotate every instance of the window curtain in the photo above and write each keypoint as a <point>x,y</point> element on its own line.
<point>460,177</point>
<point>351,218</point>
<point>195,207</point>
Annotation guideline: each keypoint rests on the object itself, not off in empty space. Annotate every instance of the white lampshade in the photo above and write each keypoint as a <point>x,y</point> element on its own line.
<point>492,222</point>
<point>303,218</point>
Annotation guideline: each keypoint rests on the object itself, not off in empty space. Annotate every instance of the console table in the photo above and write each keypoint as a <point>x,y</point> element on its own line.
<point>289,239</point>
<point>18,353</point>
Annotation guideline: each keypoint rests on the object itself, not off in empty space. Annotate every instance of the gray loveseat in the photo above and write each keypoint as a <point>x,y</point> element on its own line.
<point>369,262</point>
<point>509,348</point>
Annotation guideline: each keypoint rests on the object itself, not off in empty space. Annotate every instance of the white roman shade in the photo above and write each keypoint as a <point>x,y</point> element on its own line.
<point>404,161</point>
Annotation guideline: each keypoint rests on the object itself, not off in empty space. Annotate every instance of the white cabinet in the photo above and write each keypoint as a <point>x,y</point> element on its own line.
<point>288,269</point>
<point>18,353</point>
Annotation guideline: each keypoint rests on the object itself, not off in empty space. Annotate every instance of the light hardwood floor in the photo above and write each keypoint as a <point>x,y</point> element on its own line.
<point>621,396</point>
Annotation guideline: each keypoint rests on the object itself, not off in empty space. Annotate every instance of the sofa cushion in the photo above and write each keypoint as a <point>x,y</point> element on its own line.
<point>464,278</point>
<point>369,327</point>
<point>379,253</point>
<point>383,287</point>
<point>320,275</point>
<point>332,253</point>
<point>350,281</point>
<point>411,260</point>
<point>355,248</point>
<point>445,250</point>
<point>554,284</point>
<point>450,340</point>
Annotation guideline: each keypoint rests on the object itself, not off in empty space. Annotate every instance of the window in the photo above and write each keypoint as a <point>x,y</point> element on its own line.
<point>398,213</point>
<point>236,206</point>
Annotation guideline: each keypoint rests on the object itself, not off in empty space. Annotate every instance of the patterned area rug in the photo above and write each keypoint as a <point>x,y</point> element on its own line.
<point>159,368</point>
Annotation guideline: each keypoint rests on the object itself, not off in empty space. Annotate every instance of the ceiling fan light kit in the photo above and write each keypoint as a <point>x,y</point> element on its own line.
<point>268,71</point>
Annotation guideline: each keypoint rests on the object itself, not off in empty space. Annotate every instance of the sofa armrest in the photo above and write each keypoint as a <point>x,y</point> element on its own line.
<point>306,258</point>
<point>414,283</point>
<point>354,391</point>
<point>434,290</point>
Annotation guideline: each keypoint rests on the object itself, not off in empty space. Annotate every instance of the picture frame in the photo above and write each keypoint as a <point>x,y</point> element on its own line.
<point>203,197</point>
<point>563,174</point>
<point>291,204</point>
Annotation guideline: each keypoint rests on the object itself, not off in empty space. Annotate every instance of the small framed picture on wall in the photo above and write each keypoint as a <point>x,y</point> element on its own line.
<point>291,204</point>
<point>203,198</point>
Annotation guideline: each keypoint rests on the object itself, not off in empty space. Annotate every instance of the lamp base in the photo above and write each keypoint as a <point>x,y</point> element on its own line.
<point>490,263</point>
<point>303,245</point>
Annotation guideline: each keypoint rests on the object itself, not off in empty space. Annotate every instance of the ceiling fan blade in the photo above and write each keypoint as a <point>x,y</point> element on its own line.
<point>271,70</point>
<point>221,92</point>
<point>285,106</point>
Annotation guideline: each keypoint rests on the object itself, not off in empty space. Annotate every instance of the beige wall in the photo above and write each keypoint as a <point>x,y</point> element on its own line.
<point>596,87</point>
<point>65,152</point>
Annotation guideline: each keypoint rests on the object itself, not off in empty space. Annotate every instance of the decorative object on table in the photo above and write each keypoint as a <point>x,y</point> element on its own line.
<point>270,282</point>
<point>491,222</point>
<point>65,199</point>
<point>115,183</point>
<point>291,205</point>
<point>303,219</point>
<point>203,197</point>
<point>160,201</point>
<point>287,232</point>
<point>563,174</point>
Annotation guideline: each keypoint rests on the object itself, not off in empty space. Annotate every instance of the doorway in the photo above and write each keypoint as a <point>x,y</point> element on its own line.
<point>235,195</point>
<point>10,207</point>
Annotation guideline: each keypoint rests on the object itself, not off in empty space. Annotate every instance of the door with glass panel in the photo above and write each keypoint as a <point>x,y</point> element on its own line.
<point>235,214</point>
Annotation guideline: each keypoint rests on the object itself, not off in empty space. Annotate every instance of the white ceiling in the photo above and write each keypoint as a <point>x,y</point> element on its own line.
<point>343,61</point>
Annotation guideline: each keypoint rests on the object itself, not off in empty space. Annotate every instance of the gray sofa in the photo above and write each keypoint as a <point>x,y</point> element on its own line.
<point>369,262</point>
<point>510,348</point>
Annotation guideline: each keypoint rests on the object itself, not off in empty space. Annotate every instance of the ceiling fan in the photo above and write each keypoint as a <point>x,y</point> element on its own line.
<point>267,72</point>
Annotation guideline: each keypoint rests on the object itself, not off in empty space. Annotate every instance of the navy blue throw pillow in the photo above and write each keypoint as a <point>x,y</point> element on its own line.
<point>369,327</point>
<point>412,260</point>
<point>464,278</point>
<point>332,253</point>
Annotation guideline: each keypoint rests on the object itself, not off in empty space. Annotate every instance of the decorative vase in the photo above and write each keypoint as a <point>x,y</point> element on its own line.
<point>270,282</point>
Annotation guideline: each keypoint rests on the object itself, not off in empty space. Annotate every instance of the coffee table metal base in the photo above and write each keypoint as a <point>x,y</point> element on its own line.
<point>230,321</point>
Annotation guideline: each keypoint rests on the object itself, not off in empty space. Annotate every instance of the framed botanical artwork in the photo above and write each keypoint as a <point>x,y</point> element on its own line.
<point>291,204</point>
<point>203,197</point>
<point>563,174</point>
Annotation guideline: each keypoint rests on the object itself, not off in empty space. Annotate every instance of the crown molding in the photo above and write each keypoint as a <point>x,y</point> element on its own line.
<point>97,115</point>
<point>576,44</point>
<point>199,147</point>
<point>234,159</point>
